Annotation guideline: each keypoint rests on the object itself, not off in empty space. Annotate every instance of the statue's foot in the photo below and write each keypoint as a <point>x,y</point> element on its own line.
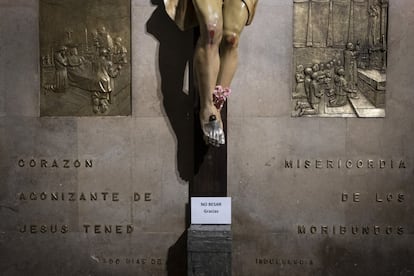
<point>210,117</point>
<point>213,132</point>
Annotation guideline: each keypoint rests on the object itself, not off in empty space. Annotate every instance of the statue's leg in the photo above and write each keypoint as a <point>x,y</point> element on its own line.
<point>207,65</point>
<point>235,16</point>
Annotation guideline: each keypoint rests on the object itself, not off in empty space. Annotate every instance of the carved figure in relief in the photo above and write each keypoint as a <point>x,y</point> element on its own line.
<point>303,106</point>
<point>119,52</point>
<point>321,70</point>
<point>321,78</point>
<point>351,70</point>
<point>341,90</point>
<point>300,82</point>
<point>315,92</point>
<point>216,55</point>
<point>74,59</point>
<point>103,39</point>
<point>61,73</point>
<point>106,72</point>
<point>308,80</point>
<point>315,67</point>
<point>328,79</point>
<point>373,25</point>
<point>338,65</point>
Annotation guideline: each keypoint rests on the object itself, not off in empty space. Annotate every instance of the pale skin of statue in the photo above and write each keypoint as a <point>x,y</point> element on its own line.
<point>216,58</point>
<point>216,54</point>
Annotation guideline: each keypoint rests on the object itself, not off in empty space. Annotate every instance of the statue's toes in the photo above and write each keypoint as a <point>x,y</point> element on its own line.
<point>221,138</point>
<point>214,134</point>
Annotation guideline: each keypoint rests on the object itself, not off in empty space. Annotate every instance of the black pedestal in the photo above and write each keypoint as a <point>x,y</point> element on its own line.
<point>209,250</point>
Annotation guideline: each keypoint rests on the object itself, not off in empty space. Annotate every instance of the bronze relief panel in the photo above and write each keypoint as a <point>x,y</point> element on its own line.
<point>340,58</point>
<point>85,57</point>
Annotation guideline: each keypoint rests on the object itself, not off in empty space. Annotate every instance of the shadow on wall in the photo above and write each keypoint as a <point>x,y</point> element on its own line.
<point>175,52</point>
<point>177,257</point>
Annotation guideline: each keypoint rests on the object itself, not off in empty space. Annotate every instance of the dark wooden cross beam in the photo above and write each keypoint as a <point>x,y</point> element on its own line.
<point>207,244</point>
<point>210,164</point>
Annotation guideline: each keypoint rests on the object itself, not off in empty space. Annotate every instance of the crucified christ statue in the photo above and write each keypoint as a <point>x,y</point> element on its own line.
<point>216,55</point>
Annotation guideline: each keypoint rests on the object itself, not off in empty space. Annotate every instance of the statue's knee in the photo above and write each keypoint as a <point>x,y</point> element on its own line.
<point>214,33</point>
<point>231,39</point>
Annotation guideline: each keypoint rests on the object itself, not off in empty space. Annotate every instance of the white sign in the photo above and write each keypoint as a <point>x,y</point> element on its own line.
<point>211,210</point>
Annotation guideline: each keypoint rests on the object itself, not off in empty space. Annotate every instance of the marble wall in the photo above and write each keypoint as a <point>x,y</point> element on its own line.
<point>286,221</point>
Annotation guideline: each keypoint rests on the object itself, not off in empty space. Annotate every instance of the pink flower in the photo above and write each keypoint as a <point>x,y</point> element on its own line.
<point>220,96</point>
